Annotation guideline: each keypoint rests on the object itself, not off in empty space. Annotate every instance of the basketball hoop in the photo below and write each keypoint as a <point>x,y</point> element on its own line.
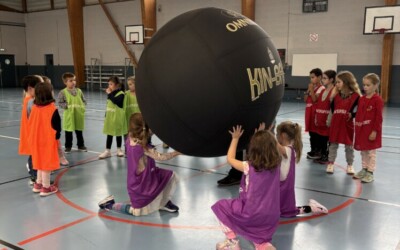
<point>379,31</point>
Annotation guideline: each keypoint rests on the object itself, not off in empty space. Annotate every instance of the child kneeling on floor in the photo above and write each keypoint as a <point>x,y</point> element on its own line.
<point>150,188</point>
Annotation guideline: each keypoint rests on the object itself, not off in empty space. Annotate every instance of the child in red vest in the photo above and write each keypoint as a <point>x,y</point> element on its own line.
<point>310,98</point>
<point>322,110</point>
<point>344,105</point>
<point>368,127</point>
<point>45,126</point>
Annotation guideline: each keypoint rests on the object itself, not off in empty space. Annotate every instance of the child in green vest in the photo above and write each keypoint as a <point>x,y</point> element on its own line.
<point>130,102</point>
<point>73,102</point>
<point>115,121</point>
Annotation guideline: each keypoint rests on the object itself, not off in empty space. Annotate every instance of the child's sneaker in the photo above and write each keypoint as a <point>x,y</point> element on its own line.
<point>120,153</point>
<point>82,149</point>
<point>48,191</point>
<point>264,246</point>
<point>330,168</point>
<point>107,202</point>
<point>170,207</point>
<point>317,208</point>
<point>105,154</point>
<point>323,160</point>
<point>36,187</point>
<point>350,170</point>
<point>313,155</point>
<point>368,177</point>
<point>228,245</point>
<point>360,174</point>
<point>67,150</point>
<point>64,161</point>
<point>32,180</point>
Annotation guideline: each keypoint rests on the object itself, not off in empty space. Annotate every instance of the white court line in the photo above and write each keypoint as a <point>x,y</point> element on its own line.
<point>9,137</point>
<point>384,203</point>
<point>10,121</point>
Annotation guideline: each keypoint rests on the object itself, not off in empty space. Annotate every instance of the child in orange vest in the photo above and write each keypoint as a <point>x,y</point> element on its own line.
<point>28,83</point>
<point>45,126</point>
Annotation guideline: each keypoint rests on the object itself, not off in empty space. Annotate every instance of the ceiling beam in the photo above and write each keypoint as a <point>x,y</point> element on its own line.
<point>75,18</point>
<point>5,8</point>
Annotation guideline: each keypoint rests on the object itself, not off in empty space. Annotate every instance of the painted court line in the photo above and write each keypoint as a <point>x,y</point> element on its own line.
<point>9,137</point>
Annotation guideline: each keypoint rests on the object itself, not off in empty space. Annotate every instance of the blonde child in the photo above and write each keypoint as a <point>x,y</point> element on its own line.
<point>255,213</point>
<point>45,126</point>
<point>290,146</point>
<point>150,188</point>
<point>72,100</point>
<point>368,127</point>
<point>115,120</point>
<point>310,98</point>
<point>28,83</point>
<point>344,105</point>
<point>130,101</point>
<point>322,111</point>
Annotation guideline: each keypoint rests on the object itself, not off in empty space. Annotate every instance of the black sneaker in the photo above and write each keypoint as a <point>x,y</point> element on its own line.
<point>228,181</point>
<point>313,155</point>
<point>170,207</point>
<point>107,202</point>
<point>82,149</point>
<point>67,150</point>
<point>323,160</point>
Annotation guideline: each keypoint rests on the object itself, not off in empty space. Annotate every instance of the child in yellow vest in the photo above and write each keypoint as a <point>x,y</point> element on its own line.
<point>115,121</point>
<point>72,100</point>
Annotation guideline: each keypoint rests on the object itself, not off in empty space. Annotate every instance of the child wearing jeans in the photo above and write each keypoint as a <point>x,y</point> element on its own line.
<point>150,188</point>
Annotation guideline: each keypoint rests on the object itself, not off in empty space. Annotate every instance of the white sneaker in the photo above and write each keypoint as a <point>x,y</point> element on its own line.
<point>350,170</point>
<point>105,154</point>
<point>330,168</point>
<point>317,208</point>
<point>120,153</point>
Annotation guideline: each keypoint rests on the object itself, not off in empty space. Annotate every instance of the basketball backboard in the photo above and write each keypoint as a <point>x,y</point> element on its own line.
<point>134,34</point>
<point>382,19</point>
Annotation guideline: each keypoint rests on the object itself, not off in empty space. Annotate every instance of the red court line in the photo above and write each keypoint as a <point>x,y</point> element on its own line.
<point>54,230</point>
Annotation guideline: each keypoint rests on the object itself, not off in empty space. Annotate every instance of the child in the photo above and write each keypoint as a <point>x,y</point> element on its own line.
<point>290,146</point>
<point>28,83</point>
<point>130,101</point>
<point>310,98</point>
<point>322,110</point>
<point>344,100</point>
<point>368,127</point>
<point>255,213</point>
<point>45,125</point>
<point>61,155</point>
<point>150,188</point>
<point>115,121</point>
<point>73,102</point>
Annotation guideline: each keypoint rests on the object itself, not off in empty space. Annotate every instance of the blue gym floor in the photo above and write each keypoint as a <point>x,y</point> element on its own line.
<point>362,216</point>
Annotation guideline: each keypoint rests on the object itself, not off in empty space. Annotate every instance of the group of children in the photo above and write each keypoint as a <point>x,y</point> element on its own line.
<point>255,213</point>
<point>336,113</point>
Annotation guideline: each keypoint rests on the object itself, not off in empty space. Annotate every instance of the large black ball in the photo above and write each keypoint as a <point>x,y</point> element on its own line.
<point>204,72</point>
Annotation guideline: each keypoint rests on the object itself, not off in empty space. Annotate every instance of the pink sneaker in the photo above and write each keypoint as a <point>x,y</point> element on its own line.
<point>64,161</point>
<point>36,187</point>
<point>264,246</point>
<point>317,208</point>
<point>228,245</point>
<point>48,191</point>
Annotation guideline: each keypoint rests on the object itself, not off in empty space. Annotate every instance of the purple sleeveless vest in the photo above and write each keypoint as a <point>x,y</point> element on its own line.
<point>146,186</point>
<point>288,198</point>
<point>255,213</point>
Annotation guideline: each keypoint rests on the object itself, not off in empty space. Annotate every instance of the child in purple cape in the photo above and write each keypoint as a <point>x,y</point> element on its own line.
<point>255,213</point>
<point>150,188</point>
<point>290,146</point>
